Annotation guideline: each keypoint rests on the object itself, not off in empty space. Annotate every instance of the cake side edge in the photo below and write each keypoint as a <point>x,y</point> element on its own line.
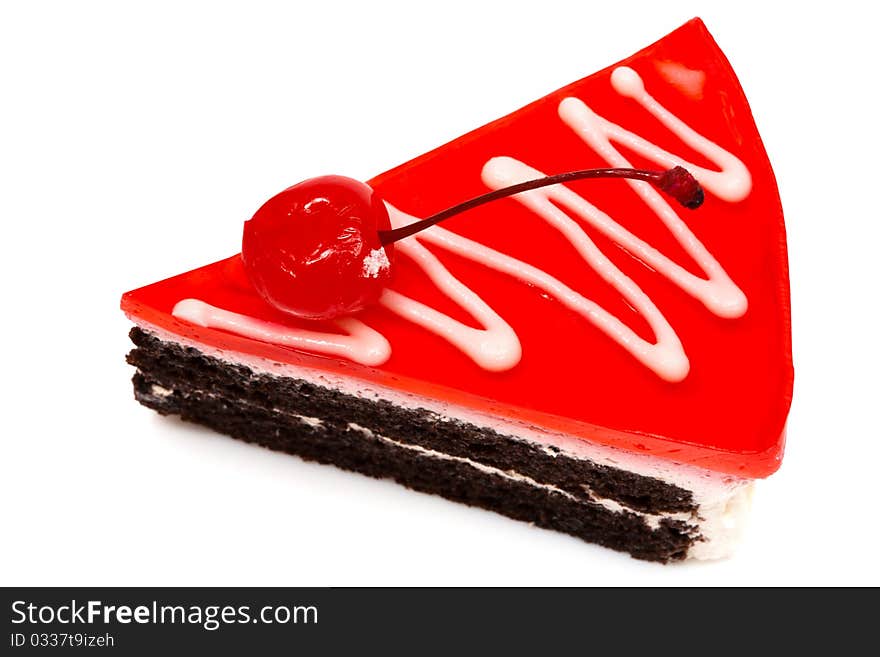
<point>718,502</point>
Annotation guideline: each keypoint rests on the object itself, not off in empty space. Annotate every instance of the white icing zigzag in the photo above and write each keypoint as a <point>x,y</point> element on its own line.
<point>496,346</point>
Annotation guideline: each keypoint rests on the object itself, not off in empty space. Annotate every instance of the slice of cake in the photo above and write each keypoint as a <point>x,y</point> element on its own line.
<point>589,357</point>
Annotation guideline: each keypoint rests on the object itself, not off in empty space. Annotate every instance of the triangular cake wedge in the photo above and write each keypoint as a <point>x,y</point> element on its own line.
<point>585,357</point>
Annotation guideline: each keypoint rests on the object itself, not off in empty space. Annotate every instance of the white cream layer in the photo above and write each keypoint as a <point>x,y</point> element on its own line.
<point>722,500</point>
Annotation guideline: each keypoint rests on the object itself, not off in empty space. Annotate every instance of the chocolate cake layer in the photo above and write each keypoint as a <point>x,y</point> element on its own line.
<point>454,459</point>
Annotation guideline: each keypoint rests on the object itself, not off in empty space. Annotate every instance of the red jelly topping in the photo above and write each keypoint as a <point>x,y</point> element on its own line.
<point>728,414</point>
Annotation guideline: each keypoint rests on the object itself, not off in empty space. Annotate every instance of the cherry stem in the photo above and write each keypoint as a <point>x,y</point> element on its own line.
<point>677,182</point>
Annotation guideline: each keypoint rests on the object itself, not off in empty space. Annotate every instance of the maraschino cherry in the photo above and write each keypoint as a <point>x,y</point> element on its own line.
<point>314,250</point>
<point>324,248</point>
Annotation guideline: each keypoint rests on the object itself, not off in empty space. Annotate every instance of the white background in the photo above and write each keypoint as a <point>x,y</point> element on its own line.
<point>136,138</point>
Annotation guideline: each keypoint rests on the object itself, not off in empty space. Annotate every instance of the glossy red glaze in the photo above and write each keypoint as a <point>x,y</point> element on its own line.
<point>728,414</point>
<point>304,249</point>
